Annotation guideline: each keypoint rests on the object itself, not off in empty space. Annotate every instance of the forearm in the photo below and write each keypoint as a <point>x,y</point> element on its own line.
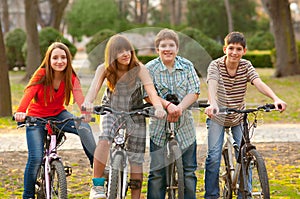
<point>265,89</point>
<point>212,91</point>
<point>95,85</point>
<point>188,100</point>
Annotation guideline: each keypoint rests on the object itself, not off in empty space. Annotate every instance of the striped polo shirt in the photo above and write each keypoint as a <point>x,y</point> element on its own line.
<point>231,90</point>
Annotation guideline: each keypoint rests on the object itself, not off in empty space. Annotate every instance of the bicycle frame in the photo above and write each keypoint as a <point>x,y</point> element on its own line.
<point>51,160</point>
<point>238,176</point>
<point>118,172</point>
<point>50,155</point>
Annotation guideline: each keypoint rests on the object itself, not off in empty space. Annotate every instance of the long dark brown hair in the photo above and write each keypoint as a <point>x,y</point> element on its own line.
<point>47,80</point>
<point>115,45</point>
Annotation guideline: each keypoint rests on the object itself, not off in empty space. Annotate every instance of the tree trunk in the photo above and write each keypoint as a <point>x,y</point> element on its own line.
<point>33,58</point>
<point>229,15</point>
<point>287,62</point>
<point>57,12</point>
<point>57,8</point>
<point>5,94</point>
<point>5,16</point>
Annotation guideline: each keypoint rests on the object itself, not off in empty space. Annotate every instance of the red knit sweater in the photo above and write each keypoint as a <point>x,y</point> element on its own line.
<point>53,107</point>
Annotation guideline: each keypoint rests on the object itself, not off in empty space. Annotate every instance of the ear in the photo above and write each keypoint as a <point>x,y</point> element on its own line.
<point>157,50</point>
<point>245,50</point>
<point>224,49</point>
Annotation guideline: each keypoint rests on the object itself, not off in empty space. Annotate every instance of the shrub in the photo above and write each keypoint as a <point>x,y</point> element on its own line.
<point>259,59</point>
<point>95,47</point>
<point>14,42</point>
<point>49,35</point>
<point>261,41</point>
<point>146,58</point>
<point>213,48</point>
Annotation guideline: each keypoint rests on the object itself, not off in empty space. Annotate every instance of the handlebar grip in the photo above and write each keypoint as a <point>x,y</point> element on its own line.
<point>83,108</point>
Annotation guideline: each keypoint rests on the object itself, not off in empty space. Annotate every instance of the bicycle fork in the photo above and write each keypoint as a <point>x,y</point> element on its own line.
<point>48,166</point>
<point>234,171</point>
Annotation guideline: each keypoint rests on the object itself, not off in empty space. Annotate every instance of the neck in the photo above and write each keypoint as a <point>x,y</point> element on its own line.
<point>58,75</point>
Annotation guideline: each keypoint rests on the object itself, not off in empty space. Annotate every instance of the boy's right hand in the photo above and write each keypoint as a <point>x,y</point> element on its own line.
<point>211,110</point>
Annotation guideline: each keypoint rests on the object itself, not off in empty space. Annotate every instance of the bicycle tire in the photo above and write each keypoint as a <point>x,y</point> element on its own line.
<point>225,178</point>
<point>256,172</point>
<point>115,177</point>
<point>40,186</point>
<point>175,190</point>
<point>58,181</point>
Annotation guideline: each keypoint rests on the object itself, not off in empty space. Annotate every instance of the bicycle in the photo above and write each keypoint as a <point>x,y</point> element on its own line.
<point>174,171</point>
<point>118,168</point>
<point>247,174</point>
<point>51,179</point>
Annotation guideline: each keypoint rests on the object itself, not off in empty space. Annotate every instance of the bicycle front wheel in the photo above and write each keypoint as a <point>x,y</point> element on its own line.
<point>256,176</point>
<point>40,186</point>
<point>115,183</point>
<point>58,181</point>
<point>175,175</point>
<point>225,178</point>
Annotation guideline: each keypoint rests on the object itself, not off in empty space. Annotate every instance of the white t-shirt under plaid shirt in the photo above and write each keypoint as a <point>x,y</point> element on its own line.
<point>181,81</point>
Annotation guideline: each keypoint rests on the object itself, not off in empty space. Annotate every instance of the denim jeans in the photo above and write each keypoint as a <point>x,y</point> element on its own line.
<point>214,155</point>
<point>157,174</point>
<point>35,142</point>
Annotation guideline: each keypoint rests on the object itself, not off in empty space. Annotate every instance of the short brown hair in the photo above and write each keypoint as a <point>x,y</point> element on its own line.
<point>235,37</point>
<point>166,34</point>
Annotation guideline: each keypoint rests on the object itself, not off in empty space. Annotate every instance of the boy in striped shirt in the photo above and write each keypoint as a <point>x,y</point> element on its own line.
<point>227,80</point>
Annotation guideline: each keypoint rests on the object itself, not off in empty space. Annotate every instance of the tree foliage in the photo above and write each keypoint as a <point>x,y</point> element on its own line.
<point>211,18</point>
<point>14,41</point>
<point>88,17</point>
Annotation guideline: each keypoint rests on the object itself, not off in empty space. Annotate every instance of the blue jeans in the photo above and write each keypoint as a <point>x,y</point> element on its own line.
<point>157,174</point>
<point>35,143</point>
<point>214,155</point>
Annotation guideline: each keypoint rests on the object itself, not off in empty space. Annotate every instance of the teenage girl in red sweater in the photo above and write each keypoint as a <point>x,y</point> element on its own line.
<point>46,95</point>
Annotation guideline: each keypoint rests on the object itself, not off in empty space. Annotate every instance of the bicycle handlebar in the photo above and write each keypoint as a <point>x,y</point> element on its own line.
<point>144,110</point>
<point>33,120</point>
<point>266,108</point>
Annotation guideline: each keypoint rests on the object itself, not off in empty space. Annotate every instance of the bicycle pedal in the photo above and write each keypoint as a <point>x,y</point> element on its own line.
<point>68,170</point>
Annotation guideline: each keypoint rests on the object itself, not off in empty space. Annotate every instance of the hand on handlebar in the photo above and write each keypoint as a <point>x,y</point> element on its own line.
<point>87,107</point>
<point>160,112</point>
<point>280,105</point>
<point>174,112</point>
<point>19,116</point>
<point>211,110</point>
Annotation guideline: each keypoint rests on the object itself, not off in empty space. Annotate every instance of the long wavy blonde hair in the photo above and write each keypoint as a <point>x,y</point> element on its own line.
<point>115,45</point>
<point>47,80</point>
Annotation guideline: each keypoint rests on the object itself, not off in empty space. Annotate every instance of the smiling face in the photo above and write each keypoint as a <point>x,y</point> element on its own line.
<point>124,57</point>
<point>234,52</point>
<point>58,60</point>
<point>167,51</point>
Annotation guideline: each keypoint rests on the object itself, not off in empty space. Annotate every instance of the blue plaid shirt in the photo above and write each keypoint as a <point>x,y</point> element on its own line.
<point>181,81</point>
